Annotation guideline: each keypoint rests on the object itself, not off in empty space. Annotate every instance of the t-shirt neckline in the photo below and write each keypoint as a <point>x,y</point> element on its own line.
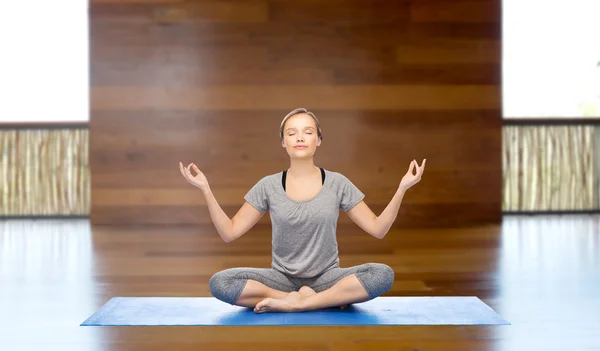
<point>327,176</point>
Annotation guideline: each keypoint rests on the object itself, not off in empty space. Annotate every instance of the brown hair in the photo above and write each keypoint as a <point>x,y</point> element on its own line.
<point>298,111</point>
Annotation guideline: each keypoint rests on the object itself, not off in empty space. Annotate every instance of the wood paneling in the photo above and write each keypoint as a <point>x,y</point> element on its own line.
<point>277,97</point>
<point>455,11</point>
<point>208,82</point>
<point>173,12</point>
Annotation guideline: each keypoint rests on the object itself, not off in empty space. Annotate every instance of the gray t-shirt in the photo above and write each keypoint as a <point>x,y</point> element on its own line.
<point>304,243</point>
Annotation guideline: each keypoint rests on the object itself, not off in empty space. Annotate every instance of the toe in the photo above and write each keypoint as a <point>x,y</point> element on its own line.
<point>262,306</point>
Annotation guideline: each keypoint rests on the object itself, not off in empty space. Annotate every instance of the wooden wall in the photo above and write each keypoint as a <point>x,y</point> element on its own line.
<point>209,81</point>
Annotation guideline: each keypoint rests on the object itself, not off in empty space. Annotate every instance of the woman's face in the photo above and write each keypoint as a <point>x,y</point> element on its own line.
<point>300,137</point>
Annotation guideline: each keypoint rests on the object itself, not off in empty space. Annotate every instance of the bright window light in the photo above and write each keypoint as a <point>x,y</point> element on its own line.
<point>44,63</point>
<point>551,58</point>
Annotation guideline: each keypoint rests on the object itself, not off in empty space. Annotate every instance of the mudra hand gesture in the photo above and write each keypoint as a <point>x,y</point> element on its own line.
<point>199,180</point>
<point>411,179</point>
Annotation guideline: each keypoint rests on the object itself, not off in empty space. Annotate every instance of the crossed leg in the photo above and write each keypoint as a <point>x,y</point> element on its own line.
<point>248,286</point>
<point>307,291</point>
<point>347,291</point>
<point>336,287</point>
<point>252,282</point>
<point>268,290</point>
<point>254,292</point>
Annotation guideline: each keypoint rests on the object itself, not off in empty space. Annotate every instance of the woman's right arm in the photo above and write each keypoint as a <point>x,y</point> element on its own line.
<point>231,229</point>
<point>228,229</point>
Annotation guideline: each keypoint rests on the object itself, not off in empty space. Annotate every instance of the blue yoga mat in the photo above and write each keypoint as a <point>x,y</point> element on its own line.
<point>208,311</point>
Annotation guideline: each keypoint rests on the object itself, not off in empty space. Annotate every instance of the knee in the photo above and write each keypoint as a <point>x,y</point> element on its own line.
<point>385,274</point>
<point>382,276</point>
<point>217,284</point>
<point>223,287</point>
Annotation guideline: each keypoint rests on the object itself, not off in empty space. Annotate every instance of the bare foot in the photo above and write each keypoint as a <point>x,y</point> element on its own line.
<point>273,305</point>
<point>290,303</point>
<point>307,291</point>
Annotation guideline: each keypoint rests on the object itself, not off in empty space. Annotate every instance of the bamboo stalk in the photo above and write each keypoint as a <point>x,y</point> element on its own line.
<point>44,172</point>
<point>551,168</point>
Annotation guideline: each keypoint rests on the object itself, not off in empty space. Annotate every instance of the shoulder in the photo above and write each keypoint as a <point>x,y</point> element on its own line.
<point>274,177</point>
<point>269,180</point>
<point>335,175</point>
<point>337,178</point>
<point>347,193</point>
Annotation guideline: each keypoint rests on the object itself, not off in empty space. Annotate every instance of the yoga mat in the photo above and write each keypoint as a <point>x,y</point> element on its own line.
<point>208,311</point>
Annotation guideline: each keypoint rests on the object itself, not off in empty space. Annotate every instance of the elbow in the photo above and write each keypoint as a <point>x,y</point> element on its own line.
<point>228,234</point>
<point>227,237</point>
<point>379,235</point>
<point>378,232</point>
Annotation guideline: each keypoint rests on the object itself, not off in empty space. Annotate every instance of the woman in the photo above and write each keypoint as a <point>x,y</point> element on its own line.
<point>304,203</point>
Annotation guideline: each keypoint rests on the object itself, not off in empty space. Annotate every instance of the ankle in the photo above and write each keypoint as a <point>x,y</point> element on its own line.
<point>303,303</point>
<point>296,300</point>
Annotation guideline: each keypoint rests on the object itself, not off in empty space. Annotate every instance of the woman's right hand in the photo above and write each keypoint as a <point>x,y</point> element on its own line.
<point>198,180</point>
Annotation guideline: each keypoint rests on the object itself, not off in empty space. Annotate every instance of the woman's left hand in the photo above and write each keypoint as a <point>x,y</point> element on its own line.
<point>411,179</point>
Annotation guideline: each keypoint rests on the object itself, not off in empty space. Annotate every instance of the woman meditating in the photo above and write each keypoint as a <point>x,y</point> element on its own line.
<point>304,203</point>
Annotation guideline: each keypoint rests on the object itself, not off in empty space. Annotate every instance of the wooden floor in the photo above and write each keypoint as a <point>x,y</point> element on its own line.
<point>540,273</point>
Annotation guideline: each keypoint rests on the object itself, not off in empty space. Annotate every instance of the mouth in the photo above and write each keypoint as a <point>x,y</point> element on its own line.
<point>300,147</point>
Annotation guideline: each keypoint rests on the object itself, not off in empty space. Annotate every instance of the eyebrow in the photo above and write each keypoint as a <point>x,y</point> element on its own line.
<point>309,127</point>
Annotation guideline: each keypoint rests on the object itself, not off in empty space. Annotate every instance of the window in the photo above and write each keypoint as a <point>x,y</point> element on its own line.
<point>44,66</point>
<point>551,59</point>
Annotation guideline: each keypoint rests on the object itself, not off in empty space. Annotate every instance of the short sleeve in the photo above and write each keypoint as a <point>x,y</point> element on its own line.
<point>257,196</point>
<point>351,195</point>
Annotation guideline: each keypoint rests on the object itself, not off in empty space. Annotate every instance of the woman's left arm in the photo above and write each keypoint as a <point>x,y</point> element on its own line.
<point>378,226</point>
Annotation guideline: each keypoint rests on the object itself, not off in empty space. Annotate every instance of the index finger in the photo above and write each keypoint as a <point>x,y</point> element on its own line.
<point>422,168</point>
<point>188,169</point>
<point>182,170</point>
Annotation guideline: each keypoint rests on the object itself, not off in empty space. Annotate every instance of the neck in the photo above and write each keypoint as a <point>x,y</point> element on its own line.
<point>302,168</point>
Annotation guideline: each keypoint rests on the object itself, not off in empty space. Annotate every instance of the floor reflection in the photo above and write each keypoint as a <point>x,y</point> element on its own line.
<point>46,275</point>
<point>543,277</point>
<point>549,274</point>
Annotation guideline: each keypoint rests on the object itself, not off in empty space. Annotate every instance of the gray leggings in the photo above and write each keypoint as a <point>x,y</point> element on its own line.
<point>227,285</point>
